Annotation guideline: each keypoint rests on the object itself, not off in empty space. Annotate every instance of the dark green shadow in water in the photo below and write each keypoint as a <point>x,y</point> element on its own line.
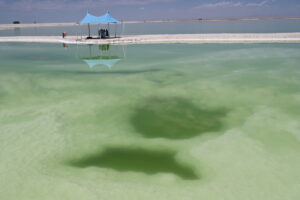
<point>137,160</point>
<point>112,72</point>
<point>175,118</point>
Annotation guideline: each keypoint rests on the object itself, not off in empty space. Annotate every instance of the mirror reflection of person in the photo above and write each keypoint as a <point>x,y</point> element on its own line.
<point>65,46</point>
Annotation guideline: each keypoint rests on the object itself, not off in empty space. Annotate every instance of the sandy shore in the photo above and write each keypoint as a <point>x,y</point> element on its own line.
<point>173,38</point>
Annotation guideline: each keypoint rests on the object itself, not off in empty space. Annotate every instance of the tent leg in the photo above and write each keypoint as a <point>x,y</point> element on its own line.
<point>81,32</point>
<point>108,29</point>
<point>123,29</point>
<point>89,30</point>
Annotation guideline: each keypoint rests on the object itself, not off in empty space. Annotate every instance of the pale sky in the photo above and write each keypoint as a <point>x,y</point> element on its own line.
<point>28,11</point>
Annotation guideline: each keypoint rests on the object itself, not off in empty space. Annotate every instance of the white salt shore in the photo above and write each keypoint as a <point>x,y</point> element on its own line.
<point>165,38</point>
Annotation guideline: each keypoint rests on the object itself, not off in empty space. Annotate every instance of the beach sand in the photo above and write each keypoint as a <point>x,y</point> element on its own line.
<point>165,38</point>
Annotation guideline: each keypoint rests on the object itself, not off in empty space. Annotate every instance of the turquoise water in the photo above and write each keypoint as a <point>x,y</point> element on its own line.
<point>171,121</point>
<point>267,26</point>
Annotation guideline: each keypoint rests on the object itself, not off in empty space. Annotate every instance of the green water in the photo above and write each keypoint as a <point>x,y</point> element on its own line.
<point>150,122</point>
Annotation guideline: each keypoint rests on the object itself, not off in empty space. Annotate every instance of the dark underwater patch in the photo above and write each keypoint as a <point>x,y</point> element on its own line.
<point>137,160</point>
<point>175,118</point>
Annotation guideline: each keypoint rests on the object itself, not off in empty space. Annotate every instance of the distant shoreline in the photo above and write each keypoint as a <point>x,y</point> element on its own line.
<point>12,26</point>
<point>222,19</point>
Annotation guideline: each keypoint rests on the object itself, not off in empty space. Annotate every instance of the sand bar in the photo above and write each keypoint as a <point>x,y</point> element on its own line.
<point>165,38</point>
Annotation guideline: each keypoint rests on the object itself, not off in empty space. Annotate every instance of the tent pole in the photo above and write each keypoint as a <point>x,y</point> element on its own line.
<point>99,34</point>
<point>89,30</point>
<point>108,29</point>
<point>115,30</point>
<point>76,31</point>
<point>81,32</point>
<point>123,27</point>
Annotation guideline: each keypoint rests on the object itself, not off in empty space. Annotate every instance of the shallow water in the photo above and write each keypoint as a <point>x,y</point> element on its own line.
<point>172,121</point>
<point>259,26</point>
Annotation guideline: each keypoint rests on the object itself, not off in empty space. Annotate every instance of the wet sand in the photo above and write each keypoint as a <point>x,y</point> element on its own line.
<point>165,38</point>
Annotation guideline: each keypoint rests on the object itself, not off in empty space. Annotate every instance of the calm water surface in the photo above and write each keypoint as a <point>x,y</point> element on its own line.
<point>262,26</point>
<point>150,121</point>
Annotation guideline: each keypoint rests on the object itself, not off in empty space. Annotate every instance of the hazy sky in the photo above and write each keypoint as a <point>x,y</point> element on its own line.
<point>74,10</point>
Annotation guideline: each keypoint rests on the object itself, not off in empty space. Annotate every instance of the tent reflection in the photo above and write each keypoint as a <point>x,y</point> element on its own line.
<point>104,57</point>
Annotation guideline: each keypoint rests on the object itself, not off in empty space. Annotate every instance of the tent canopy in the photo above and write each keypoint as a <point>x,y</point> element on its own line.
<point>90,19</point>
<point>108,18</point>
<point>104,19</point>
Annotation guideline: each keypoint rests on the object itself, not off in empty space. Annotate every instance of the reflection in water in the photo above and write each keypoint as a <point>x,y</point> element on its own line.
<point>114,72</point>
<point>175,118</point>
<point>17,31</point>
<point>137,160</point>
<point>104,57</point>
<point>108,61</point>
<point>104,47</point>
<point>65,46</point>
